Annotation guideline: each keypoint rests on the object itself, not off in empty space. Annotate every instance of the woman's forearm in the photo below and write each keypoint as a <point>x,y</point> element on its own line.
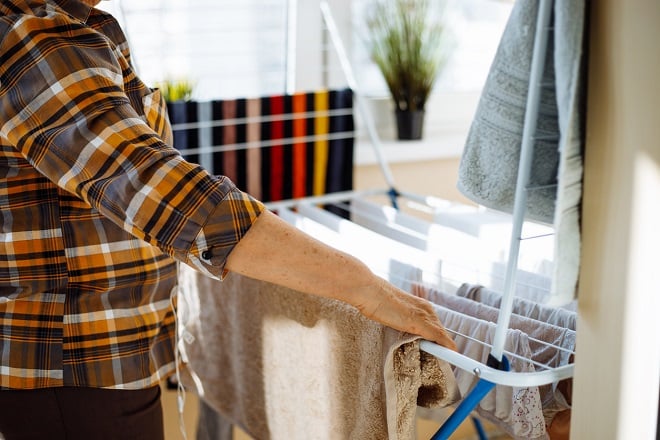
<point>274,251</point>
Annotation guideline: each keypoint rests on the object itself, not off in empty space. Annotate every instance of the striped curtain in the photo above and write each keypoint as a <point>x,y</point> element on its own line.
<point>273,147</point>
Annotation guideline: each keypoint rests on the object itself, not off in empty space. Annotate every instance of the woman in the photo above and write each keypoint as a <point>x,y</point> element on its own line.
<point>96,210</point>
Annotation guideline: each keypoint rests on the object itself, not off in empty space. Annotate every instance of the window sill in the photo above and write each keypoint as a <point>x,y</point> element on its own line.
<point>448,119</point>
<point>431,147</point>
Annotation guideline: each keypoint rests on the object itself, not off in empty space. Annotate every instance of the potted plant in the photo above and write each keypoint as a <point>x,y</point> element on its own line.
<point>406,40</point>
<point>174,90</point>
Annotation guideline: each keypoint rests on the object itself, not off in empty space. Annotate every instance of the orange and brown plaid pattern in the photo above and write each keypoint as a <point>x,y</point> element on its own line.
<point>95,206</point>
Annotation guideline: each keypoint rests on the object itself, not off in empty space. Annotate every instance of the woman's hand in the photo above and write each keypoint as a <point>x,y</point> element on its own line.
<point>402,311</point>
<point>274,251</point>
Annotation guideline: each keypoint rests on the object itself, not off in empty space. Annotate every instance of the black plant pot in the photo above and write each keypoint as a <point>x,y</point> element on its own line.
<point>410,124</point>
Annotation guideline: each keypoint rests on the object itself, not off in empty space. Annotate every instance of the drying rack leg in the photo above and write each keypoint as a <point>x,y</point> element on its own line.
<point>481,433</point>
<point>468,404</point>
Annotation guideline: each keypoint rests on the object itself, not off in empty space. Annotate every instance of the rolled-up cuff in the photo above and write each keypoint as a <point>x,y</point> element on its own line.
<point>226,226</point>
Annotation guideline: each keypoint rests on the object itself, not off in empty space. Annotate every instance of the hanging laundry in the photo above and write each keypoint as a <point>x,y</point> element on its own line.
<point>489,165</point>
<point>559,316</point>
<point>274,147</point>
<point>287,365</point>
<point>549,345</point>
<point>516,410</point>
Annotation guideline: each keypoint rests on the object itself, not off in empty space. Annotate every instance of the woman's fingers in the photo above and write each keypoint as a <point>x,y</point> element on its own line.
<point>405,312</point>
<point>427,324</point>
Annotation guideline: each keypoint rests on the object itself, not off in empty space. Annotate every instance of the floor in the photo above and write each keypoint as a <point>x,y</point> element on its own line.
<point>425,428</point>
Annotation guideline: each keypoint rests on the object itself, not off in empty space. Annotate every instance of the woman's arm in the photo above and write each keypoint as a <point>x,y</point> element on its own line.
<point>274,251</point>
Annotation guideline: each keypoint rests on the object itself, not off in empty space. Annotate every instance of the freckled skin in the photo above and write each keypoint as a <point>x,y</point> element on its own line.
<point>275,251</point>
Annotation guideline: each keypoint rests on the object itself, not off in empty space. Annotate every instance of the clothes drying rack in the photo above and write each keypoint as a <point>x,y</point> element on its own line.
<point>495,371</point>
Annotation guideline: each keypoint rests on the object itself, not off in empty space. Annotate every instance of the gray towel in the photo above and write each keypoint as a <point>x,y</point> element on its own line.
<point>489,166</point>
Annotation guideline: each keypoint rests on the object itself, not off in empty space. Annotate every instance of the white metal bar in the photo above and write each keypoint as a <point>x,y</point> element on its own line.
<point>291,45</point>
<point>264,118</point>
<point>326,198</point>
<point>510,378</point>
<point>268,143</point>
<point>341,199</point>
<point>524,168</point>
<point>352,83</point>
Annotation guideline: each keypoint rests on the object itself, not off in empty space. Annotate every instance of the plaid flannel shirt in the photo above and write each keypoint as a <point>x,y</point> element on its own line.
<point>95,206</point>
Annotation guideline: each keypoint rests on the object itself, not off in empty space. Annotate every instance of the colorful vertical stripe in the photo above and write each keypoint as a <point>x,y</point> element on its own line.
<point>253,153</point>
<point>282,143</point>
<point>340,159</point>
<point>299,172</point>
<point>184,112</point>
<point>229,163</point>
<point>321,130</point>
<point>241,139</point>
<point>276,151</point>
<point>310,129</point>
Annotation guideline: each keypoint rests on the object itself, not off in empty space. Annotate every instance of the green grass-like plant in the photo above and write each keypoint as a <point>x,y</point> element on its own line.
<point>174,90</point>
<point>406,39</point>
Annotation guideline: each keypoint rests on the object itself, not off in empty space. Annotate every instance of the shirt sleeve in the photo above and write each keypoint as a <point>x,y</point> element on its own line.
<point>63,106</point>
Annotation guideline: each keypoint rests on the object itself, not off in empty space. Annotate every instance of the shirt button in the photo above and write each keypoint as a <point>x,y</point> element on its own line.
<point>207,255</point>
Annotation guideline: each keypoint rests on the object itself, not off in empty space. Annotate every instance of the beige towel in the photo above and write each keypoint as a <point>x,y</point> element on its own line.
<point>285,365</point>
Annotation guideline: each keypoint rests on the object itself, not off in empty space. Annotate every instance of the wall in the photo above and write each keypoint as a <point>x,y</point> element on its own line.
<point>432,177</point>
<point>618,338</point>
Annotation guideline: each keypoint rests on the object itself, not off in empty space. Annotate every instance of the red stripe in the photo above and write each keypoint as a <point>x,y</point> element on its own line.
<point>299,147</point>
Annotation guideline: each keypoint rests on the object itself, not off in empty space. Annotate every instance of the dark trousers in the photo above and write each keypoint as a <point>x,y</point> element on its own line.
<point>81,414</point>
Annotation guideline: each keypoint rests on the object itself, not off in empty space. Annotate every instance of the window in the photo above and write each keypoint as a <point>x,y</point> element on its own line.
<point>227,48</point>
<point>259,47</point>
<point>474,29</point>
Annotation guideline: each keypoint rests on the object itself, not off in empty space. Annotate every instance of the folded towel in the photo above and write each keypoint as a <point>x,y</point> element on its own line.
<point>285,365</point>
<point>489,165</point>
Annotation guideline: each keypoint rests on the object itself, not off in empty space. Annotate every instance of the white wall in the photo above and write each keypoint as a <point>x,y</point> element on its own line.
<point>618,339</point>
